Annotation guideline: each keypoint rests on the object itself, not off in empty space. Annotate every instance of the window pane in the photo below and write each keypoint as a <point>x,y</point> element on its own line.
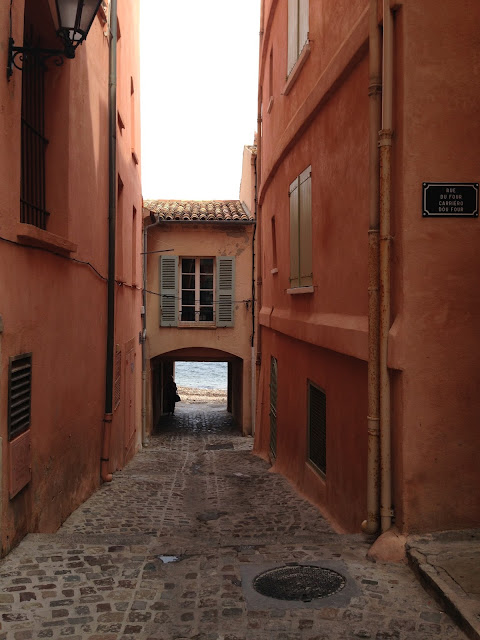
<point>206,297</point>
<point>206,265</point>
<point>188,297</point>
<point>188,281</point>
<point>188,265</point>
<point>188,314</point>
<point>206,314</point>
<point>206,282</point>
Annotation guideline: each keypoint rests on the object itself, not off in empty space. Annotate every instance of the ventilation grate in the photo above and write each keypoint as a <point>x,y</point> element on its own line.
<point>273,406</point>
<point>19,394</point>
<point>317,432</point>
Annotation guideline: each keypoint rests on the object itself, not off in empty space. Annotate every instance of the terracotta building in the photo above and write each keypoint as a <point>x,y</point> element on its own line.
<point>69,325</point>
<point>368,258</point>
<point>199,295</point>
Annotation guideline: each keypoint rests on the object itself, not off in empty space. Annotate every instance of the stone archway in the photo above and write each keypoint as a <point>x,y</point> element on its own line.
<point>163,365</point>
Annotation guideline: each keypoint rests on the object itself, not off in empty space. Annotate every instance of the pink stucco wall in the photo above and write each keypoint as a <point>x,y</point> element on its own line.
<point>323,122</point>
<point>54,305</point>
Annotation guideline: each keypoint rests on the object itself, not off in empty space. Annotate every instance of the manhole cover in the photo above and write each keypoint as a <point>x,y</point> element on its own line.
<point>299,582</point>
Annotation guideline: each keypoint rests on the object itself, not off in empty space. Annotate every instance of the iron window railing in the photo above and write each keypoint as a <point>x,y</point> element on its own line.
<point>34,143</point>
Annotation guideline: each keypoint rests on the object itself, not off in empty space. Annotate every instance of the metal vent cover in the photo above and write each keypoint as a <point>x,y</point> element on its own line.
<point>299,582</point>
<point>19,394</point>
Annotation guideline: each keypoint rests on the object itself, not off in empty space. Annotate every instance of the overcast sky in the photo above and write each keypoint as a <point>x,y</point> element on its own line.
<point>199,74</point>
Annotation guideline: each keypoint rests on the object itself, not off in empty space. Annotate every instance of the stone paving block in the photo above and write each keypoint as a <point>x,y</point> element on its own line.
<point>197,494</point>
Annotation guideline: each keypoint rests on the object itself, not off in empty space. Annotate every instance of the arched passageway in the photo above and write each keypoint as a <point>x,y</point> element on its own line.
<point>163,366</point>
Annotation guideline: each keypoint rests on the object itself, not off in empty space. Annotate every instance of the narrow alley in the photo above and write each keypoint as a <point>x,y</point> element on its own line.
<point>169,550</point>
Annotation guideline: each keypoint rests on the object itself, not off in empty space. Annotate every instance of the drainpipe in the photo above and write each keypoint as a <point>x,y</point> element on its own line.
<point>253,368</point>
<point>370,525</point>
<point>385,144</point>
<point>144,335</point>
<point>112,210</point>
<point>258,229</point>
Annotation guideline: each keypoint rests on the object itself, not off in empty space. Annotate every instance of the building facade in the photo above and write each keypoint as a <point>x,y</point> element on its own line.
<point>368,236</point>
<point>199,296</point>
<point>54,255</point>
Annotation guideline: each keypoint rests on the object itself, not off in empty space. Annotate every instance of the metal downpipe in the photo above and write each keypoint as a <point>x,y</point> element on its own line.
<point>385,144</point>
<point>112,212</point>
<point>371,524</point>
<point>144,333</point>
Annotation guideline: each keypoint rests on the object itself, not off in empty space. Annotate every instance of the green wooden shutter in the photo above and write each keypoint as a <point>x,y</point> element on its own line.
<point>225,293</point>
<point>302,24</point>
<point>292,34</point>
<point>305,226</point>
<point>294,235</point>
<point>168,291</point>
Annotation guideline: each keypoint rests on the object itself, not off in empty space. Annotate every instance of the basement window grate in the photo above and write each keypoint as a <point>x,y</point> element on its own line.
<point>317,427</point>
<point>19,394</point>
<point>118,378</point>
<point>273,406</point>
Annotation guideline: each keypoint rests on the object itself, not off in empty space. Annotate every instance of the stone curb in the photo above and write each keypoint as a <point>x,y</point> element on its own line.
<point>442,588</point>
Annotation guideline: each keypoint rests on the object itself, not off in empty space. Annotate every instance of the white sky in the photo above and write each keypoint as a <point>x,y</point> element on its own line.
<point>199,74</point>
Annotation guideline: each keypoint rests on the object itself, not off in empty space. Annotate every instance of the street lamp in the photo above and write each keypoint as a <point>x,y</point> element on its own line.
<point>75,18</point>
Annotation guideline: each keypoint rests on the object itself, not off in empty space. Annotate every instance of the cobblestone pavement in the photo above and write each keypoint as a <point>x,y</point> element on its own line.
<point>168,550</point>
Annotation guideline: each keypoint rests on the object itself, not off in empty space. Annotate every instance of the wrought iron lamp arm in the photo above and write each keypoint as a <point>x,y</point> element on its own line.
<point>17,55</point>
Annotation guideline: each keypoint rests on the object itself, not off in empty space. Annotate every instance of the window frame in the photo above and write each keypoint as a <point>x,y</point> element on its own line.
<point>197,305</point>
<point>301,245</point>
<point>298,24</point>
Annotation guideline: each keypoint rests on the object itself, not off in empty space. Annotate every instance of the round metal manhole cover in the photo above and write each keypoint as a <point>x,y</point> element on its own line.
<point>299,582</point>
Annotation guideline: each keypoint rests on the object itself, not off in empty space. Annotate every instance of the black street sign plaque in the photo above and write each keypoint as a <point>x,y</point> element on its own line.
<point>450,199</point>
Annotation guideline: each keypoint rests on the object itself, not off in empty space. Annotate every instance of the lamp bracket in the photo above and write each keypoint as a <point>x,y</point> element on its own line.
<point>17,55</point>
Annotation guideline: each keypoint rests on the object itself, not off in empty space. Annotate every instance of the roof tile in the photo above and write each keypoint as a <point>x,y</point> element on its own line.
<point>198,210</point>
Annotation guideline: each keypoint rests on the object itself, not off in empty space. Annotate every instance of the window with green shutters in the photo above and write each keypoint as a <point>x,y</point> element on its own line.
<point>197,291</point>
<point>300,194</point>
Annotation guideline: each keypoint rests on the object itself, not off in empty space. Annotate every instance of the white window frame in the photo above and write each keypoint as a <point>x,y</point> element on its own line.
<point>197,322</point>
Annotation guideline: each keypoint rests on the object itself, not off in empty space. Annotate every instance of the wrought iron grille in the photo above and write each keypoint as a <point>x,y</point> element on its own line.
<point>273,406</point>
<point>34,143</point>
<point>19,394</point>
<point>317,427</point>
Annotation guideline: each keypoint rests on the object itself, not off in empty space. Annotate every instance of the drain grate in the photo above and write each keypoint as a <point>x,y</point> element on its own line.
<point>299,582</point>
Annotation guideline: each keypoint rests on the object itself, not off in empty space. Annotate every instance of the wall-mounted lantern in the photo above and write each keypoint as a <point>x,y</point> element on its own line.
<point>75,18</point>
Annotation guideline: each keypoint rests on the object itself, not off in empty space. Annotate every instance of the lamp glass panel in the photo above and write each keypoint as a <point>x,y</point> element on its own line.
<point>90,8</point>
<point>67,13</point>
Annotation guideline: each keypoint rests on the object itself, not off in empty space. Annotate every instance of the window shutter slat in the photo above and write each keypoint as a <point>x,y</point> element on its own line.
<point>294,235</point>
<point>305,200</point>
<point>292,34</point>
<point>168,291</point>
<point>303,24</point>
<point>225,291</point>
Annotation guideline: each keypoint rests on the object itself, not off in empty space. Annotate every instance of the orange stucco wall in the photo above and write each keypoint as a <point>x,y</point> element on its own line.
<point>190,239</point>
<point>51,305</point>
<point>323,122</point>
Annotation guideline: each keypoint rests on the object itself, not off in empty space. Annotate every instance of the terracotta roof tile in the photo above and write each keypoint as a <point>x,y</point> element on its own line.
<point>199,210</point>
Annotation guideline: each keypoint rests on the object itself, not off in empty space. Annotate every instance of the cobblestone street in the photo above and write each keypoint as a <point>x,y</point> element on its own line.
<point>168,550</point>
